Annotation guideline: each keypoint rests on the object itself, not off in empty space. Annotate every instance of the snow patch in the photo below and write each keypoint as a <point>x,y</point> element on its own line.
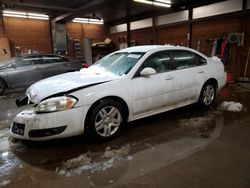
<point>116,152</point>
<point>85,163</point>
<point>231,106</point>
<point>75,162</point>
<point>215,58</point>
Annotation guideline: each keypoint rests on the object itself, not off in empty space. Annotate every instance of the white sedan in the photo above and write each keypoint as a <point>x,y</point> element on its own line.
<point>124,86</point>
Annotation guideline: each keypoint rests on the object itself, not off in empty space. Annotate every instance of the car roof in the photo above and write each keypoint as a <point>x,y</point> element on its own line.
<point>42,54</point>
<point>147,48</point>
<point>143,48</point>
<point>46,54</point>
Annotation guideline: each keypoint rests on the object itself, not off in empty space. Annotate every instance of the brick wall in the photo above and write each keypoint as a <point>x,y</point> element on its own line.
<point>115,38</point>
<point>98,33</point>
<point>29,34</point>
<point>4,48</point>
<point>212,29</point>
<point>79,31</point>
<point>142,36</point>
<point>202,32</point>
<point>174,34</point>
<point>36,34</point>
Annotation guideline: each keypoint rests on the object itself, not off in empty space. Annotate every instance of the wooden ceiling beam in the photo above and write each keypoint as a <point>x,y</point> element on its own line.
<point>40,6</point>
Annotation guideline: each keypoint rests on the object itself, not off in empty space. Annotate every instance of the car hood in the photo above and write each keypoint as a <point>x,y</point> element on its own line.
<point>3,66</point>
<point>65,83</point>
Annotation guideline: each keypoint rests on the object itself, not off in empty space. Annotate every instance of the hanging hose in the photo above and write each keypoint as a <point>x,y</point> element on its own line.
<point>245,73</point>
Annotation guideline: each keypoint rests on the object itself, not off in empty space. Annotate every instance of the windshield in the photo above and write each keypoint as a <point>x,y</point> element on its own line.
<point>8,61</point>
<point>118,63</point>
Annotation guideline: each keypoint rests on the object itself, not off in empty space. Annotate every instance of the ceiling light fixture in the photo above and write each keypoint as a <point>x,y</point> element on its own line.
<point>17,14</point>
<point>144,1</point>
<point>38,16</point>
<point>14,15</point>
<point>88,20</point>
<point>14,12</point>
<point>162,3</point>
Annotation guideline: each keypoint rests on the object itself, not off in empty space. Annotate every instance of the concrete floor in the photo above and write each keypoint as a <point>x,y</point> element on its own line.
<point>188,147</point>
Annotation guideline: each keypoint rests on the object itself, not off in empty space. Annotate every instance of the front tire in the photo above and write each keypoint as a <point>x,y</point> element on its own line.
<point>207,95</point>
<point>106,120</point>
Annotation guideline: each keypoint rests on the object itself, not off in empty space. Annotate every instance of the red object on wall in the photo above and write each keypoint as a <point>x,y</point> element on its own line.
<point>229,78</point>
<point>223,46</point>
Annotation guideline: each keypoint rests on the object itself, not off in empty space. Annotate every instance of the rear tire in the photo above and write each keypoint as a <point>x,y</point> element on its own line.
<point>106,120</point>
<point>207,95</point>
<point>2,86</point>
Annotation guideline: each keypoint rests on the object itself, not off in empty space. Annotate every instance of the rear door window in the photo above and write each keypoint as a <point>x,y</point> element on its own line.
<point>185,59</point>
<point>48,59</point>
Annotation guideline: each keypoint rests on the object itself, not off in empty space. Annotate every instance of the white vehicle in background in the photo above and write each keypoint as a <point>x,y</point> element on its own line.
<point>126,85</point>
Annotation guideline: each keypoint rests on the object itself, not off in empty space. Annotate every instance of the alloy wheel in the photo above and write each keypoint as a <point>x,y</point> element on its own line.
<point>107,121</point>
<point>208,95</point>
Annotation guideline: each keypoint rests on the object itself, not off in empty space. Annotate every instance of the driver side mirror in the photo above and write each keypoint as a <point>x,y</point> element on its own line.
<point>147,71</point>
<point>13,65</point>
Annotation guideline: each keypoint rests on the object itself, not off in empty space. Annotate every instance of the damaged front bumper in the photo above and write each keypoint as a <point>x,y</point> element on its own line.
<point>28,125</point>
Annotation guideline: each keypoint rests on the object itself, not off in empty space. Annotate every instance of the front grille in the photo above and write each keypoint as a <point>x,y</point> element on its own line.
<point>47,132</point>
<point>18,128</point>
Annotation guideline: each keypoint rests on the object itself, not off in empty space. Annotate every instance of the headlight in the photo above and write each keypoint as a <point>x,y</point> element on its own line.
<point>56,104</point>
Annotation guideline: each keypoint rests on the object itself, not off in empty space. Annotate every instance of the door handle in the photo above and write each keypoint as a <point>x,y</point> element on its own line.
<point>200,71</point>
<point>67,64</point>
<point>169,77</point>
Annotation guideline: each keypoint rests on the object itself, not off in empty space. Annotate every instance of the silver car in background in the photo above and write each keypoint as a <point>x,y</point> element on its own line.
<point>21,72</point>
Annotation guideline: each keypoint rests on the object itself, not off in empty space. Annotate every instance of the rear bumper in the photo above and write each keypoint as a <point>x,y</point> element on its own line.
<point>222,81</point>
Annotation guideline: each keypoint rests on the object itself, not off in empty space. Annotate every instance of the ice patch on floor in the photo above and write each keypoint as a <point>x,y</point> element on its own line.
<point>4,140</point>
<point>204,126</point>
<point>4,183</point>
<point>85,163</point>
<point>196,122</point>
<point>231,106</point>
<point>8,164</point>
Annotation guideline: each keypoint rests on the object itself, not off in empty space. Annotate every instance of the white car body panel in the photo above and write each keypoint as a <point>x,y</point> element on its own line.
<point>144,96</point>
<point>152,92</point>
<point>64,83</point>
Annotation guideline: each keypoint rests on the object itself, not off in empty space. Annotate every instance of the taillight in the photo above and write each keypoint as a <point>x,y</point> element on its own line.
<point>85,65</point>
